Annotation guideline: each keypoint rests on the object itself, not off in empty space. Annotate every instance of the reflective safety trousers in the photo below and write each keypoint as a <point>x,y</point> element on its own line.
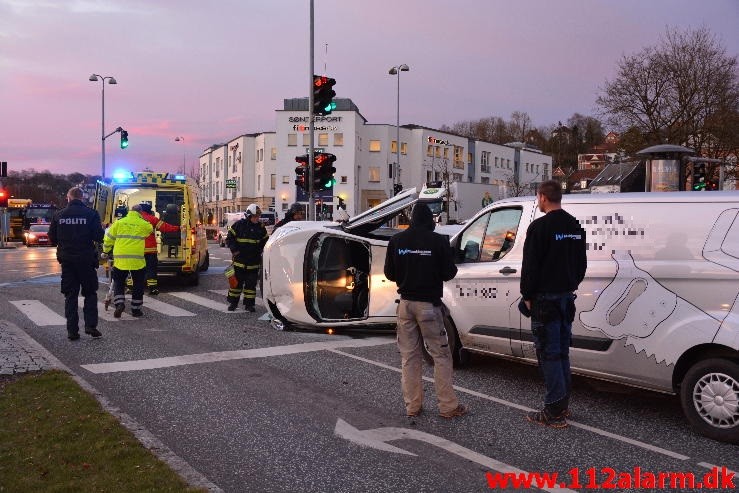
<point>125,238</point>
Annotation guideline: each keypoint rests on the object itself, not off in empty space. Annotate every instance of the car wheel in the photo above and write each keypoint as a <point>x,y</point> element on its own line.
<point>460,356</point>
<point>709,395</point>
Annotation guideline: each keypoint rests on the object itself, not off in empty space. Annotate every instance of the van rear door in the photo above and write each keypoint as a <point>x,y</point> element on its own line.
<point>103,201</point>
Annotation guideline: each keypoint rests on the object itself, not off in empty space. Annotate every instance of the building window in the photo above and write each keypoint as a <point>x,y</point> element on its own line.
<point>272,181</point>
<point>285,179</point>
<point>437,151</point>
<point>344,179</point>
<point>446,153</point>
<point>496,161</point>
<point>428,176</point>
<point>390,170</point>
<point>273,153</point>
<point>429,150</point>
<point>292,140</point>
<point>485,158</point>
<point>306,139</point>
<point>393,146</point>
<point>284,207</point>
<point>485,180</point>
<point>259,182</point>
<point>375,146</point>
<point>323,140</point>
<point>457,176</point>
<point>404,148</point>
<point>508,163</point>
<point>339,139</point>
<point>374,174</point>
<point>470,158</point>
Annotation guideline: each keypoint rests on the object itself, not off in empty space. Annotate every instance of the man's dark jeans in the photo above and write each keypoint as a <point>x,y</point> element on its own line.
<point>78,276</point>
<point>551,324</point>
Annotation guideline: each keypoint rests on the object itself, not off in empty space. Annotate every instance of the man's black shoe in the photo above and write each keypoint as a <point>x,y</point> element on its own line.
<point>73,337</point>
<point>232,306</point>
<point>153,291</point>
<point>137,313</point>
<point>544,418</point>
<point>119,310</point>
<point>93,332</point>
<point>250,308</point>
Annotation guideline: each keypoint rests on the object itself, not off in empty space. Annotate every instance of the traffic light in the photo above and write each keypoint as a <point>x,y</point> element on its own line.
<point>323,172</point>
<point>3,198</point>
<point>124,139</point>
<point>323,95</point>
<point>301,172</point>
<point>342,204</point>
<point>699,176</point>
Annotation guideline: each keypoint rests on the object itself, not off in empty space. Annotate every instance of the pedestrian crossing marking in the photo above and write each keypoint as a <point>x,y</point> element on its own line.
<point>202,301</point>
<point>166,308</point>
<point>224,292</point>
<point>107,316</point>
<point>39,313</point>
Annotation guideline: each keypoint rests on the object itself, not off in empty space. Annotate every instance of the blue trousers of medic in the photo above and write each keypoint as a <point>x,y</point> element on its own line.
<point>552,339</point>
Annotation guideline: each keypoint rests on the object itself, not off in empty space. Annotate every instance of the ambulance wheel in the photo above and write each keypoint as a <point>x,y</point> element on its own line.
<point>709,395</point>
<point>206,263</point>
<point>460,356</point>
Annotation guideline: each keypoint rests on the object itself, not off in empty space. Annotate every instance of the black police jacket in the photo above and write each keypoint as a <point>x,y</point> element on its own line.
<point>75,230</point>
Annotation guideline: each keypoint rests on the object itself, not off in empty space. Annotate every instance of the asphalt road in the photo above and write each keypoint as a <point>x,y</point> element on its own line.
<point>254,409</point>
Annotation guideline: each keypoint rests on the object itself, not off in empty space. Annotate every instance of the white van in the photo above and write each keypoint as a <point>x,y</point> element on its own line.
<point>658,309</point>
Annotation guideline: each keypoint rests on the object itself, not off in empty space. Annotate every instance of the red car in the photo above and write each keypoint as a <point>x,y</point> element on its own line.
<point>37,234</point>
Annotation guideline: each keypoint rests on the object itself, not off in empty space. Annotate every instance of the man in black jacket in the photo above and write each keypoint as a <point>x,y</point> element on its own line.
<point>419,261</point>
<point>75,230</point>
<point>246,240</point>
<point>554,264</point>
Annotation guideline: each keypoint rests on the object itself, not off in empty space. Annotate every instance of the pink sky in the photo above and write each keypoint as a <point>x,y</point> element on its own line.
<point>210,71</point>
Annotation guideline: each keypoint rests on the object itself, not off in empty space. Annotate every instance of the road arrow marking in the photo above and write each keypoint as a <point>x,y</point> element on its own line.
<point>376,438</point>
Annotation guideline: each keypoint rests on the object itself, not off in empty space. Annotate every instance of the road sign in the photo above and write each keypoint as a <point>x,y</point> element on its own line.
<point>231,183</point>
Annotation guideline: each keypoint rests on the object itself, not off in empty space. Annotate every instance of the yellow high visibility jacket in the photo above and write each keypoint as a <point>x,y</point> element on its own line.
<point>126,238</point>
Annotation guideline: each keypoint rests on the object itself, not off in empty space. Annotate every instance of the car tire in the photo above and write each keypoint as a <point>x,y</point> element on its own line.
<point>460,355</point>
<point>709,394</point>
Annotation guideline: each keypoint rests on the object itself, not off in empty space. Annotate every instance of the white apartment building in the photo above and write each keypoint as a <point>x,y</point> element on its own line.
<point>263,164</point>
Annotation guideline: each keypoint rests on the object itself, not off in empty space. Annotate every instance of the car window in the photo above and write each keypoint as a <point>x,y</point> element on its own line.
<point>39,228</point>
<point>500,234</point>
<point>468,246</point>
<point>489,238</point>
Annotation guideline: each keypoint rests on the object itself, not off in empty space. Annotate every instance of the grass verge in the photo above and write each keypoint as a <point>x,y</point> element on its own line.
<point>55,437</point>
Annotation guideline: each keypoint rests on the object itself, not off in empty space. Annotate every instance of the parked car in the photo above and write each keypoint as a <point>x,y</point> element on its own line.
<point>658,309</point>
<point>37,235</point>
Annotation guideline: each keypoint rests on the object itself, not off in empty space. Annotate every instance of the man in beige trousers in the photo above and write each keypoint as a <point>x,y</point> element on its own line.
<point>419,261</point>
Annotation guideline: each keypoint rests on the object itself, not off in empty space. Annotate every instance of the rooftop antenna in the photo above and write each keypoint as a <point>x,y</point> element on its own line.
<point>325,57</point>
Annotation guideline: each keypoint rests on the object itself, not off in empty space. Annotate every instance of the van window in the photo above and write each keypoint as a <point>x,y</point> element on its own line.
<point>490,237</point>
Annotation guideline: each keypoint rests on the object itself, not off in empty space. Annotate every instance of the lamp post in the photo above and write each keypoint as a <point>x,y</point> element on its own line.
<point>182,139</point>
<point>111,80</point>
<point>396,169</point>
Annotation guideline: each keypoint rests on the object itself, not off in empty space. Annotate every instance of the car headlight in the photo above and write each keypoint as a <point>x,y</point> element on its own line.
<point>31,236</point>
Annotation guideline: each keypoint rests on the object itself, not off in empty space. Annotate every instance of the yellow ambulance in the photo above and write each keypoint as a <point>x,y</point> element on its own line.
<point>174,199</point>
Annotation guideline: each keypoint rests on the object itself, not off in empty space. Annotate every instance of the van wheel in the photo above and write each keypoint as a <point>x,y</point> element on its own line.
<point>206,264</point>
<point>460,356</point>
<point>709,395</point>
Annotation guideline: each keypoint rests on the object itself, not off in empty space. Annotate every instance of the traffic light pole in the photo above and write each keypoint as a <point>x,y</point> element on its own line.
<point>311,200</point>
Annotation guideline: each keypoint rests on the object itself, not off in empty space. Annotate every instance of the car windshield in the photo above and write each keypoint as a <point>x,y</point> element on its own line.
<point>39,228</point>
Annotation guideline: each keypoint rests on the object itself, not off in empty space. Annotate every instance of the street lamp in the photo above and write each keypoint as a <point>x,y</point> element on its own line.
<point>396,169</point>
<point>182,139</point>
<point>111,80</point>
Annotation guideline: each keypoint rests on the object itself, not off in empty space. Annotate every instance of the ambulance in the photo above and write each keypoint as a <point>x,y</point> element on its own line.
<point>174,199</point>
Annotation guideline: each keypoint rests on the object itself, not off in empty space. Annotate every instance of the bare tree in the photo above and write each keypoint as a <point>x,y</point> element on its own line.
<point>671,93</point>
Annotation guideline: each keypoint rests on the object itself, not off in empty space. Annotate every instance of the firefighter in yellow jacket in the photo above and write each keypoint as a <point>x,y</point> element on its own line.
<point>125,240</point>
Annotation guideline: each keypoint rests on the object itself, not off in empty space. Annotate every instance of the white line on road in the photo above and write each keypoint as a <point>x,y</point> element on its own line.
<point>193,359</point>
<point>39,313</point>
<point>202,301</point>
<point>224,292</point>
<point>166,308</point>
<point>107,316</point>
<point>598,431</point>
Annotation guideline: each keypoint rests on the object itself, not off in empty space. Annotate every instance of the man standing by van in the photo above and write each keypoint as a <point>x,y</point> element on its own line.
<point>554,264</point>
<point>419,261</point>
<point>75,230</point>
<point>150,246</point>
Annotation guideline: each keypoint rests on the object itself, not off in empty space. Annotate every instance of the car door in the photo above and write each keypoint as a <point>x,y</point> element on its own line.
<point>482,296</point>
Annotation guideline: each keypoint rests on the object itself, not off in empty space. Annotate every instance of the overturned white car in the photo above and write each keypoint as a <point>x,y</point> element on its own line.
<point>330,274</point>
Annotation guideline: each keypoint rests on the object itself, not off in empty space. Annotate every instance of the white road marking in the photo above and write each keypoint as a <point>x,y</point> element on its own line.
<point>39,313</point>
<point>166,308</point>
<point>377,437</point>
<point>575,424</point>
<point>107,316</point>
<point>193,359</point>
<point>202,301</point>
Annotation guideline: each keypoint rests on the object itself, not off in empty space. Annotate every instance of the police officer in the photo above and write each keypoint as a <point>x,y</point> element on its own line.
<point>75,230</point>
<point>554,264</point>
<point>246,239</point>
<point>125,240</point>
